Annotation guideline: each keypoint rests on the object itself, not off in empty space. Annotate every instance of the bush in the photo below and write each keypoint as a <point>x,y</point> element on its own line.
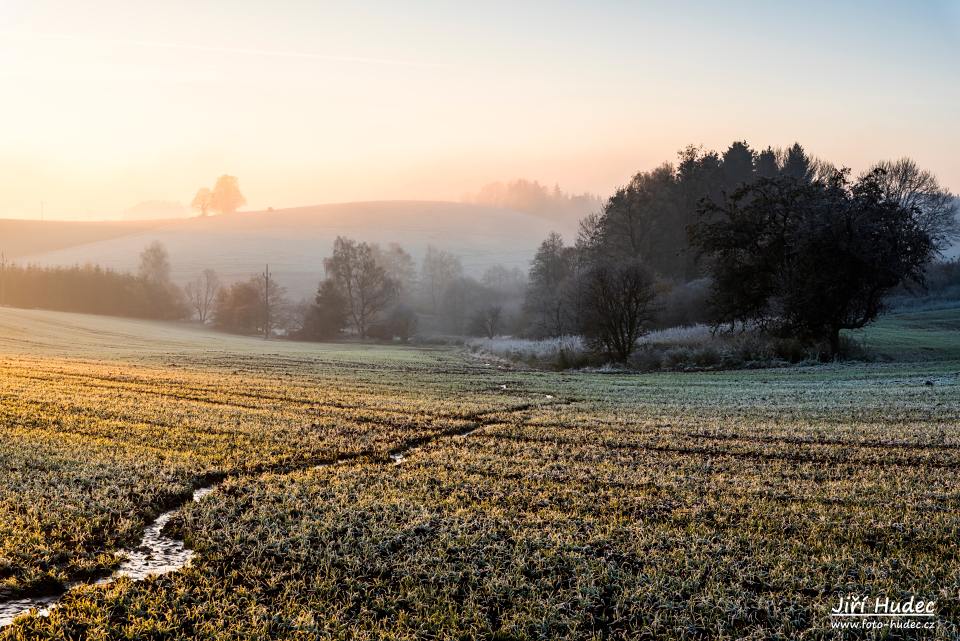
<point>399,323</point>
<point>562,352</point>
<point>684,304</point>
<point>673,349</point>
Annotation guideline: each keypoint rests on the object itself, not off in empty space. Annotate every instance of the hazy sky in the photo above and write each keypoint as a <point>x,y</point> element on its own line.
<point>106,104</point>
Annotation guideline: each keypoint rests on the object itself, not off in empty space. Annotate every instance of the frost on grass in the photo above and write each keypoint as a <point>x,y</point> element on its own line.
<point>670,506</point>
<point>574,348</point>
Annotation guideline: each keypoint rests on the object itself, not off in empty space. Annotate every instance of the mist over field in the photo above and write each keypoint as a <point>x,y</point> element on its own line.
<point>295,241</point>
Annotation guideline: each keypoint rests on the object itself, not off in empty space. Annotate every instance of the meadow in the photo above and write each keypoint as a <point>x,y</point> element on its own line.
<point>528,505</point>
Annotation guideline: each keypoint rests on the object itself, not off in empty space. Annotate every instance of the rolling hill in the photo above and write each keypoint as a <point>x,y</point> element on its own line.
<point>19,238</point>
<point>295,241</point>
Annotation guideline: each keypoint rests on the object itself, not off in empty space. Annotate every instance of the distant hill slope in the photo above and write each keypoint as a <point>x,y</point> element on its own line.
<point>908,336</point>
<point>295,241</point>
<point>25,237</point>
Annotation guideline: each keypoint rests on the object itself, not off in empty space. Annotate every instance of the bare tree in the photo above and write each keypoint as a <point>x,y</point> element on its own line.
<point>620,297</point>
<point>918,189</point>
<point>439,270</point>
<point>362,281</point>
<point>202,292</point>
<point>487,320</point>
<point>505,281</point>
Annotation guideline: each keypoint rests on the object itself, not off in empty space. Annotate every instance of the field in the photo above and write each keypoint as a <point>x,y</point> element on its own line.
<point>915,336</point>
<point>528,505</point>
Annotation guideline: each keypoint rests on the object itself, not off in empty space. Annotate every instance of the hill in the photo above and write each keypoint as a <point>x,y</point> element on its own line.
<point>914,335</point>
<point>19,238</point>
<point>295,241</point>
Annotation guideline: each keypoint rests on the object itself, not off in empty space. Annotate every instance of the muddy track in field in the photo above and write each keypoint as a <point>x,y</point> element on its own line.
<point>158,553</point>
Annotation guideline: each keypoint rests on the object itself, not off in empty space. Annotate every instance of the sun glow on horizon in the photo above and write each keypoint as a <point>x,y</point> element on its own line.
<point>108,105</point>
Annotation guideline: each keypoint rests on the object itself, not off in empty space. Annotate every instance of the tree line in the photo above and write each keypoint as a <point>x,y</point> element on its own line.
<point>374,292</point>
<point>92,289</point>
<point>368,291</point>
<point>774,240</point>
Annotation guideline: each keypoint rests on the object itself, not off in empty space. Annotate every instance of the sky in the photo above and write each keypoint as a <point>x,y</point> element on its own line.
<point>106,104</point>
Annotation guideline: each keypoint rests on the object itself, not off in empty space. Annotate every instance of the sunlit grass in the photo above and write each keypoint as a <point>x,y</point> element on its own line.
<point>689,506</point>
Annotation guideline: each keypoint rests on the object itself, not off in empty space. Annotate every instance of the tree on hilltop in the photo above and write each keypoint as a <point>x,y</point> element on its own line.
<point>202,201</point>
<point>226,197</point>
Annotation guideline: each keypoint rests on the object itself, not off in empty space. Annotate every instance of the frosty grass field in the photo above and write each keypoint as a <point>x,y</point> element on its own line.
<point>532,505</point>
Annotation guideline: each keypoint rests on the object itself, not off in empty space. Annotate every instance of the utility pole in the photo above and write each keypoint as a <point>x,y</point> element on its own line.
<point>3,278</point>
<point>266,303</point>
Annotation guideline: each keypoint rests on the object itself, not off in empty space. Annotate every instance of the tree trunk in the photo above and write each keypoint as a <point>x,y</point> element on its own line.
<point>834,343</point>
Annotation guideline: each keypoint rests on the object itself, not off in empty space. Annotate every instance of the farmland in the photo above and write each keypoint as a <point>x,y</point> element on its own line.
<point>528,504</point>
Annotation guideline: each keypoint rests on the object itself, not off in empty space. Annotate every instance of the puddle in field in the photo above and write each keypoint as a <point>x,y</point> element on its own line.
<point>156,554</point>
<point>11,609</point>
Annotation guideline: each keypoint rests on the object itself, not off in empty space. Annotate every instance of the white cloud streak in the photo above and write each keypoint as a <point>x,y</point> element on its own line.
<point>241,51</point>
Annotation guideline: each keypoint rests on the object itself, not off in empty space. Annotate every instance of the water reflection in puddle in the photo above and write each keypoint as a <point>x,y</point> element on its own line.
<point>156,554</point>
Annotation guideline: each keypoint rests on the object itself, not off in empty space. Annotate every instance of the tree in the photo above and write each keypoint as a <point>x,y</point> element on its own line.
<point>327,317</point>
<point>438,270</point>
<point>362,281</point>
<point>632,222</point>
<point>163,298</point>
<point>766,164</point>
<point>699,176</point>
<point>155,264</point>
<point>486,320</point>
<point>810,258</point>
<point>400,321</point>
<point>202,292</point>
<point>226,197</point>
<point>399,266</point>
<point>89,289</point>
<point>545,303</point>
<point>403,321</point>
<point>508,282</point>
<point>239,308</point>
<point>202,201</point>
<point>797,164</point>
<point>242,307</point>
<point>534,198</point>
<point>737,165</point>
<point>903,182</point>
<point>620,300</point>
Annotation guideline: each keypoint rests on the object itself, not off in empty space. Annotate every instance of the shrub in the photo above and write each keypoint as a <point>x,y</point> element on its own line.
<point>399,323</point>
<point>684,304</point>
